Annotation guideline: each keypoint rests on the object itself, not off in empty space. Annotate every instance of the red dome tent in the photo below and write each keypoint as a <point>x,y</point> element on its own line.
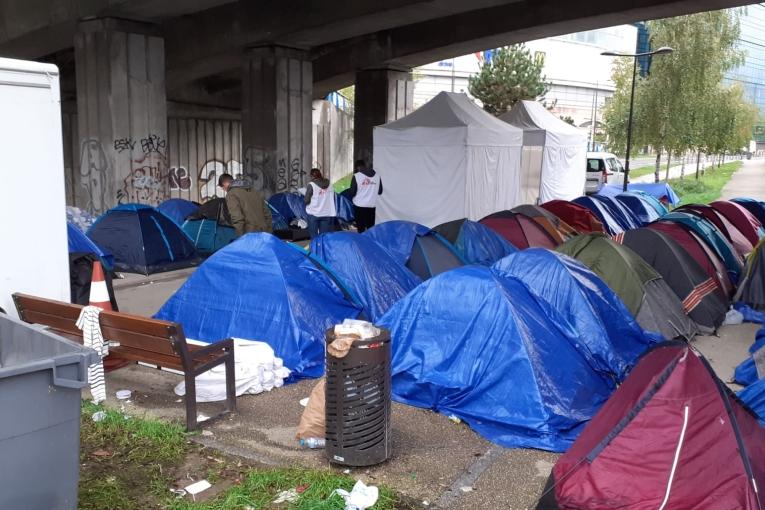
<point>575,215</point>
<point>671,437</point>
<point>520,230</point>
<point>738,240</point>
<point>743,220</point>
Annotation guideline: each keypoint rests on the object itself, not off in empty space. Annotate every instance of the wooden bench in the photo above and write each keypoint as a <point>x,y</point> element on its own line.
<point>156,342</point>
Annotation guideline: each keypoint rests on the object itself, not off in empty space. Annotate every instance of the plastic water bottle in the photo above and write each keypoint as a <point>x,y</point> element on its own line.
<point>313,442</point>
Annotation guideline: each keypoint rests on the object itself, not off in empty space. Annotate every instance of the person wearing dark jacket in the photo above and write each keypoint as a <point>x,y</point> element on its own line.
<point>320,204</point>
<point>246,206</point>
<point>366,186</point>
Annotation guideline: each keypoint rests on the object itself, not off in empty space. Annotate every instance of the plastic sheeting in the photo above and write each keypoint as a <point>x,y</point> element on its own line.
<point>260,288</point>
<point>79,242</point>
<point>622,214</point>
<point>746,372</point>
<point>177,209</point>
<point>290,206</point>
<point>611,224</point>
<point>661,191</point>
<point>643,211</point>
<point>478,344</point>
<point>753,397</point>
<point>376,278</point>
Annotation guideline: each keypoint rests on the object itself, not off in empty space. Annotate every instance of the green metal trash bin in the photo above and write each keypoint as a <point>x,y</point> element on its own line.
<point>358,403</point>
<point>41,377</point>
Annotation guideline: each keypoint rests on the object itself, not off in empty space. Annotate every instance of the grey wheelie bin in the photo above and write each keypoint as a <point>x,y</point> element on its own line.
<point>41,375</point>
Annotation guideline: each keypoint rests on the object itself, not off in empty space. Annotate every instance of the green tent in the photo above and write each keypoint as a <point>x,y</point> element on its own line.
<point>645,293</point>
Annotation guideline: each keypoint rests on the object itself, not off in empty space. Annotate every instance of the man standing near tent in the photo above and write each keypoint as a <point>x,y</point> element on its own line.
<point>246,206</point>
<point>366,185</point>
<point>320,204</point>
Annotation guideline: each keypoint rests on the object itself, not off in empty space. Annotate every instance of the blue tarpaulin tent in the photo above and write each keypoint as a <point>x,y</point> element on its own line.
<point>475,242</point>
<point>476,343</point>
<point>79,242</point>
<point>661,191</point>
<point>565,286</point>
<point>261,288</point>
<point>177,209</point>
<point>425,252</point>
<point>623,215</point>
<point>289,205</point>
<point>143,240</point>
<point>754,398</point>
<point>610,223</point>
<point>377,279</point>
<point>746,372</point>
<point>208,235</point>
<point>640,206</point>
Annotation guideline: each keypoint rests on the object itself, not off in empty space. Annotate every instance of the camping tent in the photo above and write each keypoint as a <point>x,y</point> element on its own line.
<point>701,252</point>
<point>743,220</point>
<point>177,209</point>
<point>261,288</point>
<point>291,206</point>
<point>447,160</point>
<point>422,250</point>
<point>753,396</point>
<point>660,190</point>
<point>641,206</point>
<point>579,217</point>
<point>756,207</point>
<point>623,214</point>
<point>474,242</point>
<point>611,224</point>
<point>520,230</point>
<point>697,291</point>
<point>752,287</point>
<point>475,343</point>
<point>80,243</point>
<point>143,240</point>
<point>554,160</point>
<point>612,337</point>
<point>556,227</point>
<point>643,290</point>
<point>732,234</point>
<point>671,436</point>
<point>369,271</point>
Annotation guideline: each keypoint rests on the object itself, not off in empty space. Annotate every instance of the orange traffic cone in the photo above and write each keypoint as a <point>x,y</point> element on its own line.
<point>99,294</point>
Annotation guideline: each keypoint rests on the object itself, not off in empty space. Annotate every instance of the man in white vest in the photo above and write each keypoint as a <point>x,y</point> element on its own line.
<point>366,186</point>
<point>320,205</point>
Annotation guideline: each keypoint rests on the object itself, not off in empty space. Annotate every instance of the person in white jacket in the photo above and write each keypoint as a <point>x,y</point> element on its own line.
<point>366,186</point>
<point>320,205</point>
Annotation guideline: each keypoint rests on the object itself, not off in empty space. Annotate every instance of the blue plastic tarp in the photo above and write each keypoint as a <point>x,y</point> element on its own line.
<point>610,224</point>
<point>749,313</point>
<point>746,372</point>
<point>177,209</point>
<point>584,305</point>
<point>620,213</point>
<point>641,208</point>
<point>754,398</point>
<point>344,209</point>
<point>660,190</point>
<point>476,343</point>
<point>397,237</point>
<point>376,279</point>
<point>478,244</point>
<point>79,242</point>
<point>289,205</point>
<point>261,288</point>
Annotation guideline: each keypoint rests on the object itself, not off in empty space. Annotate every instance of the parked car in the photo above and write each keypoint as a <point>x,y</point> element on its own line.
<point>602,168</point>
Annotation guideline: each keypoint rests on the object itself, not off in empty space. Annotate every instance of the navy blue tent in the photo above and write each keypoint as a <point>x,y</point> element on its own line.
<point>143,240</point>
<point>564,286</point>
<point>641,208</point>
<point>661,191</point>
<point>610,224</point>
<point>178,209</point>
<point>623,215</point>
<point>753,396</point>
<point>425,252</point>
<point>290,206</point>
<point>475,242</point>
<point>344,209</point>
<point>746,372</point>
<point>476,343</point>
<point>208,235</point>
<point>261,288</point>
<point>80,243</point>
<point>376,279</point>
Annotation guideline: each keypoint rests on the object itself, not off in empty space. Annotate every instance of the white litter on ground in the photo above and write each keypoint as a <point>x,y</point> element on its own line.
<point>361,497</point>
<point>290,496</point>
<point>197,487</point>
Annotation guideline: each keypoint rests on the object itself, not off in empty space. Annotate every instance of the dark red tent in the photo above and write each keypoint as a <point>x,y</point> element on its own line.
<point>575,215</point>
<point>745,221</point>
<point>700,252</point>
<point>737,238</point>
<point>671,437</point>
<point>520,230</point>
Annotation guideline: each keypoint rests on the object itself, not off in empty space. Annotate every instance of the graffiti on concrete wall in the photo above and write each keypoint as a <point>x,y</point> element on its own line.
<point>289,176</point>
<point>94,171</point>
<point>207,182</point>
<point>258,167</point>
<point>180,178</point>
<point>147,180</point>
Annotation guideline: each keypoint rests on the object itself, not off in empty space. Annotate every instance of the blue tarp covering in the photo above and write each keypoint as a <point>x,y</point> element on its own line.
<point>749,313</point>
<point>564,287</point>
<point>261,288</point>
<point>610,224</point>
<point>376,279</point>
<point>478,244</point>
<point>397,237</point>
<point>623,215</point>
<point>641,208</point>
<point>344,209</point>
<point>290,205</point>
<point>661,190</point>
<point>177,209</point>
<point>746,372</point>
<point>754,397</point>
<point>476,343</point>
<point>79,242</point>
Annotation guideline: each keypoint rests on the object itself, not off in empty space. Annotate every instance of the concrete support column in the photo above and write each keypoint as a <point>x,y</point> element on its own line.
<point>277,87</point>
<point>122,114</point>
<point>381,96</point>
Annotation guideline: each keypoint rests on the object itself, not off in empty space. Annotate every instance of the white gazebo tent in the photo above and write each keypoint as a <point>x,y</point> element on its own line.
<point>445,161</point>
<point>554,161</point>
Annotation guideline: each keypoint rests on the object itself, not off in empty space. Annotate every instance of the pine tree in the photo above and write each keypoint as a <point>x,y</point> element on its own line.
<point>512,75</point>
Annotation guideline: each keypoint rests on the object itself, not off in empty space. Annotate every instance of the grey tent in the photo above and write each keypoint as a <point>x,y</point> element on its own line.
<point>751,290</point>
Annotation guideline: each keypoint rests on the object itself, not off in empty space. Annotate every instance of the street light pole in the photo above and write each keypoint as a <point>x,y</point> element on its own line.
<point>661,51</point>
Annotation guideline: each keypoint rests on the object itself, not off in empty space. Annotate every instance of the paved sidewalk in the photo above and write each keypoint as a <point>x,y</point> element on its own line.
<point>749,181</point>
<point>674,171</point>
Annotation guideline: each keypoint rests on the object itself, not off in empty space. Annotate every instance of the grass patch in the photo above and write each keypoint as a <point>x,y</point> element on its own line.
<point>641,171</point>
<point>707,188</point>
<point>133,463</point>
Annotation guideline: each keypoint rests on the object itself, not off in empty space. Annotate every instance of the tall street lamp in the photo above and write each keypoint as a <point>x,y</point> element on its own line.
<point>635,56</point>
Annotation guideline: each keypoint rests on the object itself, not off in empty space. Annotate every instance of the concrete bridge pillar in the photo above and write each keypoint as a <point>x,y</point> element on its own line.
<point>277,90</point>
<point>381,96</point>
<point>122,114</point>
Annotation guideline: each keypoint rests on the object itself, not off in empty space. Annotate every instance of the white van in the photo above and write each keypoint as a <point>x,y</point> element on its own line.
<point>602,168</point>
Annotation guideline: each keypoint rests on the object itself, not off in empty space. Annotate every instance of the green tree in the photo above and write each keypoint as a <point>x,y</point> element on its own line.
<point>512,75</point>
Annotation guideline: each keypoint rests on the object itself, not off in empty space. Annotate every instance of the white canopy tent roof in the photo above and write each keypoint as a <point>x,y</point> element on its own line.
<point>561,171</point>
<point>445,161</point>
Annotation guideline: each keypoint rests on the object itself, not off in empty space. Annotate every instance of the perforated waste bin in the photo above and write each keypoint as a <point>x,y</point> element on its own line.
<point>41,375</point>
<point>357,404</point>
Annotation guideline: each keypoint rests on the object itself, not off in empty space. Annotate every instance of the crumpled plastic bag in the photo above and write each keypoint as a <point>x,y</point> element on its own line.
<point>363,329</point>
<point>313,420</point>
<point>733,317</point>
<point>361,497</point>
